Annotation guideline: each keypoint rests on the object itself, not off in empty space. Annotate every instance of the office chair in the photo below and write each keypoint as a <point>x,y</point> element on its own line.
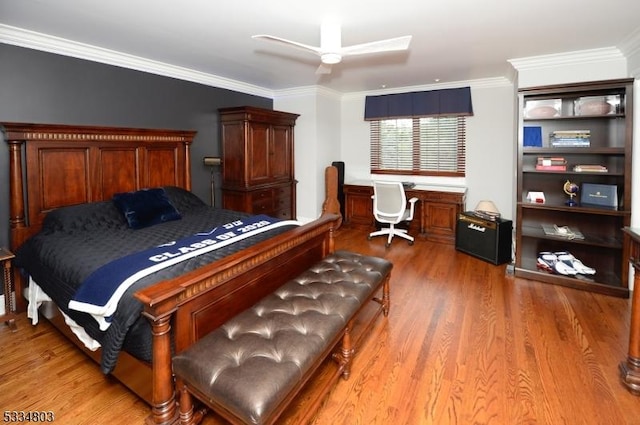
<point>390,207</point>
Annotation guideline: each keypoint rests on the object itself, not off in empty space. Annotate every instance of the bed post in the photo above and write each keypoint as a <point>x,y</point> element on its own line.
<point>163,399</point>
<point>16,194</point>
<point>187,166</point>
<point>331,204</point>
<point>16,210</point>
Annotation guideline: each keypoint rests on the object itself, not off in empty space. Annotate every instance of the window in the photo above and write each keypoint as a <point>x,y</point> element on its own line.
<point>433,146</point>
<point>421,133</point>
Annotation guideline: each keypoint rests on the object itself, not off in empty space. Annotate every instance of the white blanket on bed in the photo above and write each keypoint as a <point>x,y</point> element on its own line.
<point>36,296</point>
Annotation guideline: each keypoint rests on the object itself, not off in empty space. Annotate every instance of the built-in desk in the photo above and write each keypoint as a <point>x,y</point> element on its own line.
<point>437,208</point>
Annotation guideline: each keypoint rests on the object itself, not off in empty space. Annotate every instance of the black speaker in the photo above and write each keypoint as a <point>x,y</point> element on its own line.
<point>486,239</point>
<point>340,166</point>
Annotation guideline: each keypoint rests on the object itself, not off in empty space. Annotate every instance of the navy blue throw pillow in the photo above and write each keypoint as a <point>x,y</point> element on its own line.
<point>146,207</point>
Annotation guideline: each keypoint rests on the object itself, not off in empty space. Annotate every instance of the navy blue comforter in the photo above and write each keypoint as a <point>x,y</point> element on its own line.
<point>77,240</point>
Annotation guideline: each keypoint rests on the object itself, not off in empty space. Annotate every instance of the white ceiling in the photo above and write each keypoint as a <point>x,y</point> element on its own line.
<point>453,40</point>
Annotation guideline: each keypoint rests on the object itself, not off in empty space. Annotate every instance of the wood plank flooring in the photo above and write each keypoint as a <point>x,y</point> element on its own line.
<point>465,343</point>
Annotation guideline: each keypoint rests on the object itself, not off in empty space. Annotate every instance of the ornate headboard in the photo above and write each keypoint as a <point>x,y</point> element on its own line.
<point>61,165</point>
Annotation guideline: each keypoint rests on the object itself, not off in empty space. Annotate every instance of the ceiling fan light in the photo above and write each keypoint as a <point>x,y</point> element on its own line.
<point>331,58</point>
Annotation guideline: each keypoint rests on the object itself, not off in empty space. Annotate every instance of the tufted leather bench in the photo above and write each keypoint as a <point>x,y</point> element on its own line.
<point>249,369</point>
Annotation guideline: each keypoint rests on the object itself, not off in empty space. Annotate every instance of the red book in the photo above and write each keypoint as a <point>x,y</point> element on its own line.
<point>551,167</point>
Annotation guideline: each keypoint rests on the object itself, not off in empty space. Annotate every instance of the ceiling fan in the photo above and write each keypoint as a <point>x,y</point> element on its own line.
<point>331,51</point>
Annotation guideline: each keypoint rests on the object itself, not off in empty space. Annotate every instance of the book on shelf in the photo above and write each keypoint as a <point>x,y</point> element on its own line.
<point>568,138</point>
<point>570,142</point>
<point>532,137</point>
<point>551,167</point>
<point>565,232</point>
<point>557,160</point>
<point>590,168</point>
<point>571,133</point>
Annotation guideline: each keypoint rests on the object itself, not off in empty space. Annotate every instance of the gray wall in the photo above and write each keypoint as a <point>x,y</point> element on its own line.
<point>40,87</point>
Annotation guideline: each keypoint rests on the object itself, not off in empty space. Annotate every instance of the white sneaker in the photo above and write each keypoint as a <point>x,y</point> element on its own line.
<point>571,261</point>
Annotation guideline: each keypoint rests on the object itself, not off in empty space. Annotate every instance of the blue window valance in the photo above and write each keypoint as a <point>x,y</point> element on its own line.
<point>445,102</point>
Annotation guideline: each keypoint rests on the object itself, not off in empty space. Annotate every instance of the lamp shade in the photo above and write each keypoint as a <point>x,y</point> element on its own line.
<point>212,160</point>
<point>487,207</point>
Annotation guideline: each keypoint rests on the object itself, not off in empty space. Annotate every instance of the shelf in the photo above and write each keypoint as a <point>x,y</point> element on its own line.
<point>607,284</point>
<point>569,172</point>
<point>589,239</point>
<point>575,117</point>
<point>574,150</point>
<point>549,113</point>
<point>576,209</point>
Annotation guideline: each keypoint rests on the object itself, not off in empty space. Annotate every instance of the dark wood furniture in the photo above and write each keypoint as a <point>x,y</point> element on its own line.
<point>257,167</point>
<point>9,311</point>
<point>437,209</point>
<point>630,367</point>
<point>605,110</point>
<point>68,165</point>
<point>310,317</point>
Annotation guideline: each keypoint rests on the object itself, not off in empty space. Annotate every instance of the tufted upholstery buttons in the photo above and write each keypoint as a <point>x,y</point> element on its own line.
<point>251,363</point>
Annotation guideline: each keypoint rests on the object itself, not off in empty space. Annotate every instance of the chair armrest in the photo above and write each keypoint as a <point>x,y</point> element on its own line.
<point>413,200</point>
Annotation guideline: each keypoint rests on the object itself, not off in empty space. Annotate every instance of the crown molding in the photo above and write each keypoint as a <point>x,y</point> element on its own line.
<point>605,54</point>
<point>306,91</point>
<point>47,43</point>
<point>630,46</point>
<point>479,83</point>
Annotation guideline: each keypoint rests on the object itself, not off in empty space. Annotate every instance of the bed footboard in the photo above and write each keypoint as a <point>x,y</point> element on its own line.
<point>196,303</point>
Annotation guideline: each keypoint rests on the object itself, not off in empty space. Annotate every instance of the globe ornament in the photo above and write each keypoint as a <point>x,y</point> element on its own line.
<point>571,189</point>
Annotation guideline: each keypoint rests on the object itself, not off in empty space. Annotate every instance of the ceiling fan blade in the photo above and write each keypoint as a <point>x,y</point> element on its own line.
<point>323,69</point>
<point>306,47</point>
<point>389,45</point>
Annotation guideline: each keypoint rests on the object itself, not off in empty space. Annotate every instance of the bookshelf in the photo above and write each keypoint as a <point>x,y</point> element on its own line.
<point>582,126</point>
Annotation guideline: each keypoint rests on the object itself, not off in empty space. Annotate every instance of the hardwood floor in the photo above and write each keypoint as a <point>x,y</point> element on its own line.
<point>464,343</point>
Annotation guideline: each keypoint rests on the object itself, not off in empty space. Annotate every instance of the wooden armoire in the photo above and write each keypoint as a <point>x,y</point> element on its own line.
<point>257,161</point>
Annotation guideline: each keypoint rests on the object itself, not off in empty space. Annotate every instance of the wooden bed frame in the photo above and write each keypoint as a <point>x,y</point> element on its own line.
<point>59,165</point>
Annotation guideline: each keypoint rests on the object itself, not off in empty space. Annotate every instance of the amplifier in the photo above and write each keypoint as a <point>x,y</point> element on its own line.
<point>486,239</point>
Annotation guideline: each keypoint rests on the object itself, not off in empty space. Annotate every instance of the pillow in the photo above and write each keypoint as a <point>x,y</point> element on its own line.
<point>89,216</point>
<point>182,199</point>
<point>146,207</point>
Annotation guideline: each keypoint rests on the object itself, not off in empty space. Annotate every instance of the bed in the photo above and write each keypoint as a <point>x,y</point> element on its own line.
<point>62,182</point>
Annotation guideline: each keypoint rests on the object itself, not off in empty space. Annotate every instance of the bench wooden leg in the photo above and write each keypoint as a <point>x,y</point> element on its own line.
<point>385,302</point>
<point>343,357</point>
<point>187,414</point>
<point>386,299</point>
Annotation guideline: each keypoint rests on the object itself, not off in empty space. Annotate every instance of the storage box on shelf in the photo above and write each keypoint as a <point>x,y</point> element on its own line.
<point>589,126</point>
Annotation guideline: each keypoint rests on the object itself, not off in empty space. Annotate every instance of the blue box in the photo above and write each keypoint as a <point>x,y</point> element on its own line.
<point>532,137</point>
<point>599,195</point>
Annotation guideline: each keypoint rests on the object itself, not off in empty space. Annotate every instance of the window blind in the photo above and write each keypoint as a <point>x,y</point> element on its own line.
<point>422,146</point>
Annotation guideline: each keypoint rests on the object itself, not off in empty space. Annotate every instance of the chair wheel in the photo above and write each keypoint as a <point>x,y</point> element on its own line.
<point>368,238</point>
<point>387,245</point>
<point>410,242</point>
